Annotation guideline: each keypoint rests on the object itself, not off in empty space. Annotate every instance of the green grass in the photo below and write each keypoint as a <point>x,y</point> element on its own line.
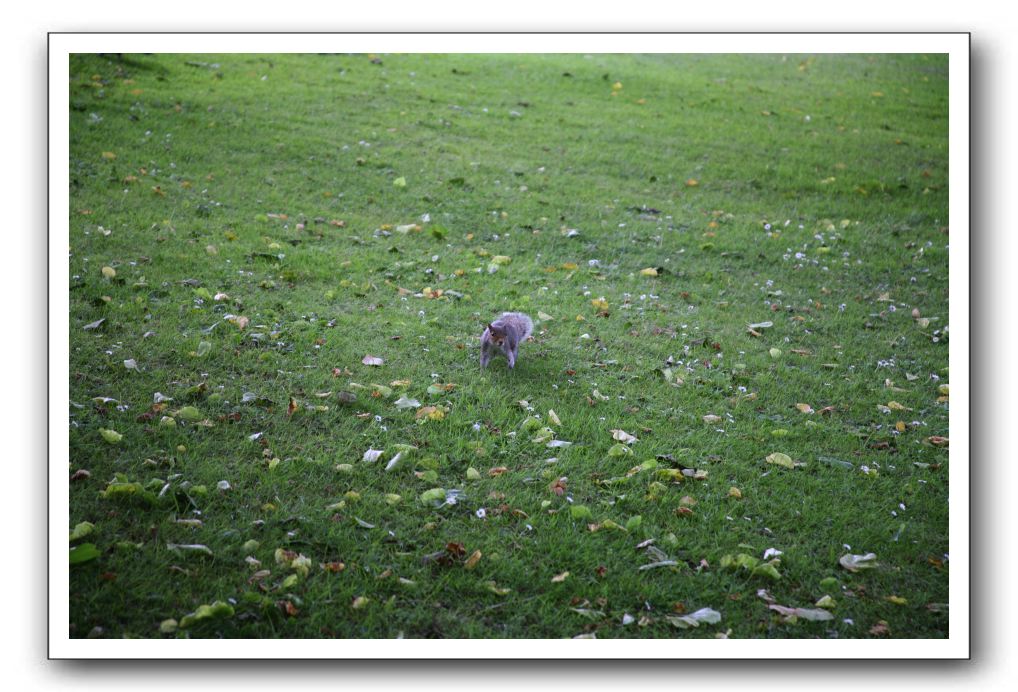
<point>805,191</point>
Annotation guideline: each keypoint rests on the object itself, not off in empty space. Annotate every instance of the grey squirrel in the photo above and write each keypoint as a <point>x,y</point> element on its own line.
<point>505,335</point>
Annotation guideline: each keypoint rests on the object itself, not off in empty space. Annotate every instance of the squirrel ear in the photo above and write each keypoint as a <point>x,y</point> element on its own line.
<point>490,328</point>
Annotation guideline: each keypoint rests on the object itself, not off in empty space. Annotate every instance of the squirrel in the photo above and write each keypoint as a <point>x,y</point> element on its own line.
<point>505,335</point>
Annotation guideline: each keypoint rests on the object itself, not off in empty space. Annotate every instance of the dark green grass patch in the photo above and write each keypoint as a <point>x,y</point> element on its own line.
<point>726,257</point>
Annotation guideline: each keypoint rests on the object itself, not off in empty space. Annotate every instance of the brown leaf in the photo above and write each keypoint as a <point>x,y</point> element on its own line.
<point>881,629</point>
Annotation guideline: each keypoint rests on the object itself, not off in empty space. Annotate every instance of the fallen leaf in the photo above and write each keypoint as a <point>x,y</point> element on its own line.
<point>83,553</point>
<point>431,413</point>
<point>704,615</point>
<point>831,461</point>
<point>472,561</point>
<point>580,512</point>
<point>110,435</point>
<point>855,563</point>
<point>372,360</point>
<point>623,436</point>
<point>81,530</point>
<point>781,459</point>
<point>792,614</point>
<point>496,589</point>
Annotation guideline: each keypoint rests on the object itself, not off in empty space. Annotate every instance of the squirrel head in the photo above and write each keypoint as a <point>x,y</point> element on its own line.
<point>497,335</point>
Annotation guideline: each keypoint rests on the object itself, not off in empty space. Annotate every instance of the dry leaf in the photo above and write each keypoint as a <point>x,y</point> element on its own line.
<point>623,436</point>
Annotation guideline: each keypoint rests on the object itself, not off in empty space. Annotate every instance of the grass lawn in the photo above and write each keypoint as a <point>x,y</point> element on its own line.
<point>279,270</point>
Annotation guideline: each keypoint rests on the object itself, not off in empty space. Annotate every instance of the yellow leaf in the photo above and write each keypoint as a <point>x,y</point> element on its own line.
<point>649,271</point>
<point>895,406</point>
<point>781,460</point>
<point>692,182</point>
<point>600,303</point>
<point>900,426</point>
<point>805,408</point>
<point>109,272</point>
<point>559,578</point>
<point>472,561</point>
<point>496,589</point>
<point>109,155</point>
<point>735,492</point>
<point>432,412</point>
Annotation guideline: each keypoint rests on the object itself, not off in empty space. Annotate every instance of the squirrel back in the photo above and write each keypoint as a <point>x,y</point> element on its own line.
<point>517,323</point>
